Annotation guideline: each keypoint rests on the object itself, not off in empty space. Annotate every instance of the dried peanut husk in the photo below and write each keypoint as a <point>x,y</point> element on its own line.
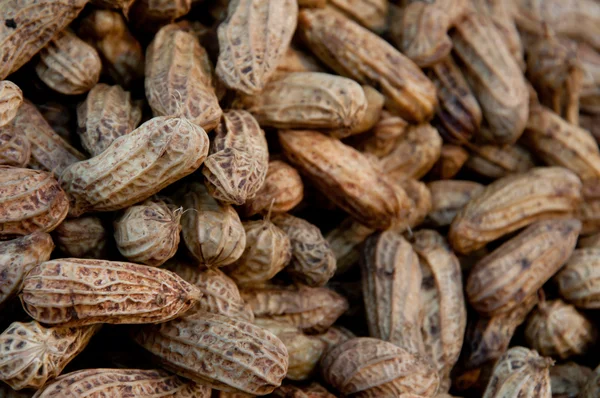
<point>448,197</point>
<point>83,237</point>
<point>382,138</point>
<point>568,379</point>
<point>579,281</point>
<point>499,161</point>
<point>345,241</point>
<point>451,160</point>
<point>372,14</point>
<point>11,98</point>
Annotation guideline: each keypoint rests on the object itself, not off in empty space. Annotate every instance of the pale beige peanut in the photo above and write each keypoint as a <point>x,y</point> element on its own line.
<point>248,57</point>
<point>520,372</point>
<point>568,379</point>
<point>514,202</point>
<point>136,166</point>
<point>236,166</point>
<point>220,294</point>
<point>33,354</point>
<point>494,161</point>
<point>29,26</point>
<point>372,14</point>
<point>579,281</point>
<point>281,191</point>
<point>77,292</point>
<point>11,98</point>
<point>148,233</point>
<point>68,64</point>
<point>494,76</point>
<point>242,357</point>
<point>106,114</point>
<point>49,151</point>
<point>310,100</point>
<point>304,351</point>
<point>355,52</point>
<point>442,301</point>
<point>83,237</point>
<point>312,309</point>
<point>366,367</point>
<point>503,279</point>
<point>121,53</point>
<point>120,383</point>
<point>18,257</point>
<point>414,154</point>
<point>313,261</point>
<point>268,250</point>
<point>179,78</point>
<point>15,149</point>
<point>211,230</point>
<point>448,197</point>
<point>30,201</point>
<point>346,177</point>
<point>458,114</point>
<point>149,15</point>
<point>391,282</point>
<point>557,329</point>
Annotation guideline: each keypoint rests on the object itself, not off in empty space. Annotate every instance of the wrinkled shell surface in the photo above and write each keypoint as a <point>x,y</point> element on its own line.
<point>579,281</point>
<point>11,97</point>
<point>15,149</point>
<point>84,237</point>
<point>448,197</point>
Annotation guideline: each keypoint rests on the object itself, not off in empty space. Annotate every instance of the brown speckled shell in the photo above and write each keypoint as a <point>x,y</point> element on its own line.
<point>11,98</point>
<point>15,149</point>
<point>105,292</point>
<point>218,351</point>
<point>32,354</point>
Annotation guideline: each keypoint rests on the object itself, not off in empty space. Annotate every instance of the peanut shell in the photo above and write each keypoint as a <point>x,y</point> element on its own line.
<point>448,197</point>
<point>345,241</point>
<point>11,98</point>
<point>499,161</point>
<point>382,138</point>
<point>15,149</point>
<point>83,237</point>
<point>372,14</point>
<point>568,379</point>
<point>579,281</point>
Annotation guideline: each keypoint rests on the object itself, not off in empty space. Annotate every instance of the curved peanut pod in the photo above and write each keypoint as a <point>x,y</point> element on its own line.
<point>77,292</point>
<point>11,98</point>
<point>179,78</point>
<point>494,76</point>
<point>136,166</point>
<point>514,202</point>
<point>503,279</point>
<point>248,57</point>
<point>28,26</point>
<point>391,281</point>
<point>355,52</point>
<point>579,281</point>
<point>499,161</point>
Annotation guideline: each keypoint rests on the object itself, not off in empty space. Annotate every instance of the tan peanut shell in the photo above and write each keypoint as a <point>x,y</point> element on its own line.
<point>579,281</point>
<point>372,14</point>
<point>487,339</point>
<point>18,257</point>
<point>33,354</point>
<point>296,60</point>
<point>11,98</point>
<point>107,292</point>
<point>120,383</point>
<point>568,379</point>
<point>391,281</point>
<point>68,64</point>
<point>382,138</point>
<point>220,294</point>
<point>499,161</point>
<point>136,166</point>
<point>281,191</point>
<point>304,351</point>
<point>494,76</point>
<point>559,143</point>
<point>15,149</point>
<point>211,230</point>
<point>345,241</point>
<point>375,103</point>
<point>520,372</point>
<point>106,114</point>
<point>458,114</point>
<point>503,279</point>
<point>312,309</point>
<point>149,15</point>
<point>514,202</point>
<point>448,197</point>
<point>366,367</point>
<point>237,164</point>
<point>310,100</point>
<point>313,261</point>
<point>451,160</point>
<point>242,357</point>
<point>557,329</point>
<point>28,26</point>
<point>248,57</point>
<point>313,390</point>
<point>588,214</point>
<point>420,199</point>
<point>357,53</point>
<point>346,177</point>
<point>179,78</point>
<point>120,51</point>
<point>268,249</point>
<point>148,233</point>
<point>30,201</point>
<point>443,309</point>
<point>49,151</point>
<point>83,237</point>
<point>415,153</point>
